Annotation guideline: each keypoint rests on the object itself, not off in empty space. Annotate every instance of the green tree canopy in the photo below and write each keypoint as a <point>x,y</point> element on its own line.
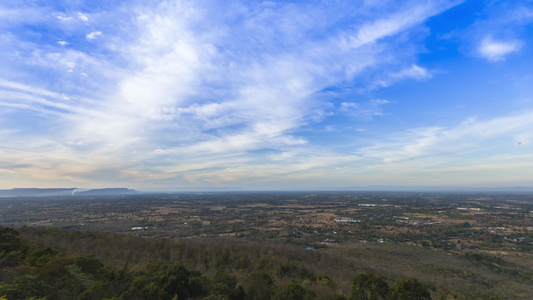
<point>410,289</point>
<point>369,287</point>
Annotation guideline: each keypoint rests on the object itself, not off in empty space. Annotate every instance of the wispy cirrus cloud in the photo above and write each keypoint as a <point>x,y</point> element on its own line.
<point>407,16</point>
<point>364,110</point>
<point>273,95</point>
<point>413,72</point>
<point>470,136</point>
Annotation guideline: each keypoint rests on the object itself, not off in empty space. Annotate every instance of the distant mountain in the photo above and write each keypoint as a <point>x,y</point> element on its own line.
<point>106,192</point>
<point>34,192</point>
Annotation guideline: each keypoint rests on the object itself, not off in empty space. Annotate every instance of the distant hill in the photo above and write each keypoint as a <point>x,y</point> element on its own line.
<point>34,192</point>
<point>105,192</point>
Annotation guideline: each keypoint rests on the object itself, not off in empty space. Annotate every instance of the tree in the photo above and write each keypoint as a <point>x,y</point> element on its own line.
<point>410,289</point>
<point>294,291</point>
<point>13,248</point>
<point>89,264</point>
<point>23,287</point>
<point>165,280</point>
<point>259,286</point>
<point>369,287</point>
<point>225,287</point>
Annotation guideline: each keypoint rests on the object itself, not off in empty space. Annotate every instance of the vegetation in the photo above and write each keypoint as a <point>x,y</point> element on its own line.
<point>35,271</point>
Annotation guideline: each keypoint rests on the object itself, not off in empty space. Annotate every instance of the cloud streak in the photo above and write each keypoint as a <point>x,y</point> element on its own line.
<point>469,136</point>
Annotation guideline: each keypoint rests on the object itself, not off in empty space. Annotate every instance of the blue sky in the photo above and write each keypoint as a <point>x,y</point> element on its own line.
<point>266,94</point>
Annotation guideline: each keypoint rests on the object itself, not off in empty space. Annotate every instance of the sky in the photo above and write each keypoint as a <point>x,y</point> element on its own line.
<point>266,94</point>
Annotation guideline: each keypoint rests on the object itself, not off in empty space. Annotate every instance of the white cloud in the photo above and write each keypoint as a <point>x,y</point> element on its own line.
<point>414,72</point>
<point>406,17</point>
<point>12,14</point>
<point>10,85</point>
<point>63,18</point>
<point>83,17</point>
<point>364,110</point>
<point>93,35</point>
<point>348,106</point>
<point>496,50</point>
<point>469,136</point>
<point>62,43</point>
<point>7,131</point>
